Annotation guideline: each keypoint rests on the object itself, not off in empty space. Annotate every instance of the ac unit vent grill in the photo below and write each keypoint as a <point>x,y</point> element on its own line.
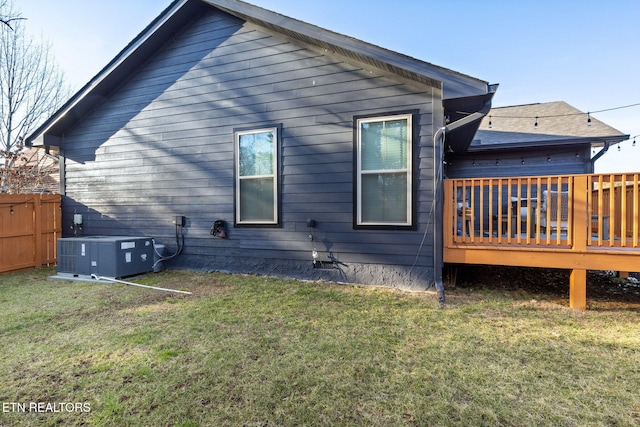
<point>66,256</point>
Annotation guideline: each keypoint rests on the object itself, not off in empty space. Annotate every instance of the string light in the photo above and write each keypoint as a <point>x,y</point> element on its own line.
<point>567,114</point>
<point>589,120</point>
<point>525,160</point>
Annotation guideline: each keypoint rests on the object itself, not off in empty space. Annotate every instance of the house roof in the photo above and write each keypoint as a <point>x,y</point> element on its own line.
<point>558,123</point>
<point>180,12</point>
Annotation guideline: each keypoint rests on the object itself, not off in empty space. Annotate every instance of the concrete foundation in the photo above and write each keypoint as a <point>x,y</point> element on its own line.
<point>399,277</point>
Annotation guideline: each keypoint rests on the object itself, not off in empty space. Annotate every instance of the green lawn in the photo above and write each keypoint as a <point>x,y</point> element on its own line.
<point>255,351</point>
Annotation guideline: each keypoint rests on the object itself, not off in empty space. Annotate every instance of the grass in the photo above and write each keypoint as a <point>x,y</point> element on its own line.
<point>255,351</point>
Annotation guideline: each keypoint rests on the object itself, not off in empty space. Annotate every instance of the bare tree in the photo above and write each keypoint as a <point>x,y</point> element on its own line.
<point>31,89</point>
<point>8,19</point>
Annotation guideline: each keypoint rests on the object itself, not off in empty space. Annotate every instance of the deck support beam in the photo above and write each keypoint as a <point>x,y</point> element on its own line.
<point>578,289</point>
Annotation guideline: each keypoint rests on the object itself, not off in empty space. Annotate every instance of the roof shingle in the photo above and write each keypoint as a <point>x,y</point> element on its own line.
<point>557,123</point>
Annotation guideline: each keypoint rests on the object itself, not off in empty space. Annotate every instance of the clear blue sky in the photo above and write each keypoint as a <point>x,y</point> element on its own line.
<point>583,52</point>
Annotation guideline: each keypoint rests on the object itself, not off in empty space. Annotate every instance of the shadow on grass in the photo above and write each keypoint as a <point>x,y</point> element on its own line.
<point>605,291</point>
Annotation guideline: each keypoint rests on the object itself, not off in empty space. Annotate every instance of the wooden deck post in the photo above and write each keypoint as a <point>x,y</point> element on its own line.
<point>579,223</point>
<point>578,289</point>
<point>447,214</point>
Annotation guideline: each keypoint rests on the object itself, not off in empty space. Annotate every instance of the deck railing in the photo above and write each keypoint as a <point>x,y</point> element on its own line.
<point>576,222</point>
<point>544,211</point>
<point>616,197</point>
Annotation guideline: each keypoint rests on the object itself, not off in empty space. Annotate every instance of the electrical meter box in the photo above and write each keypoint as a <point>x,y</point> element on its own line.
<point>106,256</point>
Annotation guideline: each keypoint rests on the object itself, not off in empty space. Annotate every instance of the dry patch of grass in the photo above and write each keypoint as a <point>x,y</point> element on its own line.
<point>247,350</point>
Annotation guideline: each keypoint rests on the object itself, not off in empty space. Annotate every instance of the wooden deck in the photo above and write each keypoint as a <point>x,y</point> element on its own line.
<point>576,222</point>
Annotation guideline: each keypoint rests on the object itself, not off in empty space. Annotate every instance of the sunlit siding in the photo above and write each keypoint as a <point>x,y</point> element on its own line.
<point>162,145</point>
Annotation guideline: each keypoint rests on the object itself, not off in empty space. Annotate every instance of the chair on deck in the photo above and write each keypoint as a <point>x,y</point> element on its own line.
<point>550,202</point>
<point>464,211</point>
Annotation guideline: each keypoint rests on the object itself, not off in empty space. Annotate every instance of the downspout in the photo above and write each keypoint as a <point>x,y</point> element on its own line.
<point>600,154</point>
<point>438,199</point>
<point>62,170</point>
<point>62,167</point>
<point>438,185</point>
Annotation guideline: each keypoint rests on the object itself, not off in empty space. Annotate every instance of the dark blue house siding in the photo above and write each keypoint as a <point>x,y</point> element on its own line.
<point>162,145</point>
<point>550,160</point>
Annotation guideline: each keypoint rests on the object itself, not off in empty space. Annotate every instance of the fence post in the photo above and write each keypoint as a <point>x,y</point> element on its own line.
<point>37,230</point>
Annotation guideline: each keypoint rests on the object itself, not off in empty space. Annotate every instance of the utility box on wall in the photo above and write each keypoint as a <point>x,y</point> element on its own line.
<point>106,256</point>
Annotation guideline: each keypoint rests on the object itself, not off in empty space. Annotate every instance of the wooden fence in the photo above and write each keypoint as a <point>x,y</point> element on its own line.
<point>30,225</point>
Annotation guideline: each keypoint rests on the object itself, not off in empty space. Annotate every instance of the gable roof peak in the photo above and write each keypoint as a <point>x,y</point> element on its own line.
<point>180,12</point>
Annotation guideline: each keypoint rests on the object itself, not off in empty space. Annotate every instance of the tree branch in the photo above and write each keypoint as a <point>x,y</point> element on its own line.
<point>7,22</point>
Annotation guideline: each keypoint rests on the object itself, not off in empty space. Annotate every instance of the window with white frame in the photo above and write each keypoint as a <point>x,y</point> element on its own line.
<point>384,175</point>
<point>256,199</point>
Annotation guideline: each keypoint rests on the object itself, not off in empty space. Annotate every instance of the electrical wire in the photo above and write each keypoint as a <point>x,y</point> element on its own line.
<point>424,235</point>
<point>493,115</point>
<point>179,247</point>
<point>438,175</point>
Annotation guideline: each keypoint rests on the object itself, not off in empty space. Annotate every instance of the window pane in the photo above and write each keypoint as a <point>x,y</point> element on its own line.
<point>256,154</point>
<point>384,145</point>
<point>384,197</point>
<point>256,200</point>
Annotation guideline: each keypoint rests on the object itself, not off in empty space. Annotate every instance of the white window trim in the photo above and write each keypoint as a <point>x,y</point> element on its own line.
<point>274,175</point>
<point>408,170</point>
